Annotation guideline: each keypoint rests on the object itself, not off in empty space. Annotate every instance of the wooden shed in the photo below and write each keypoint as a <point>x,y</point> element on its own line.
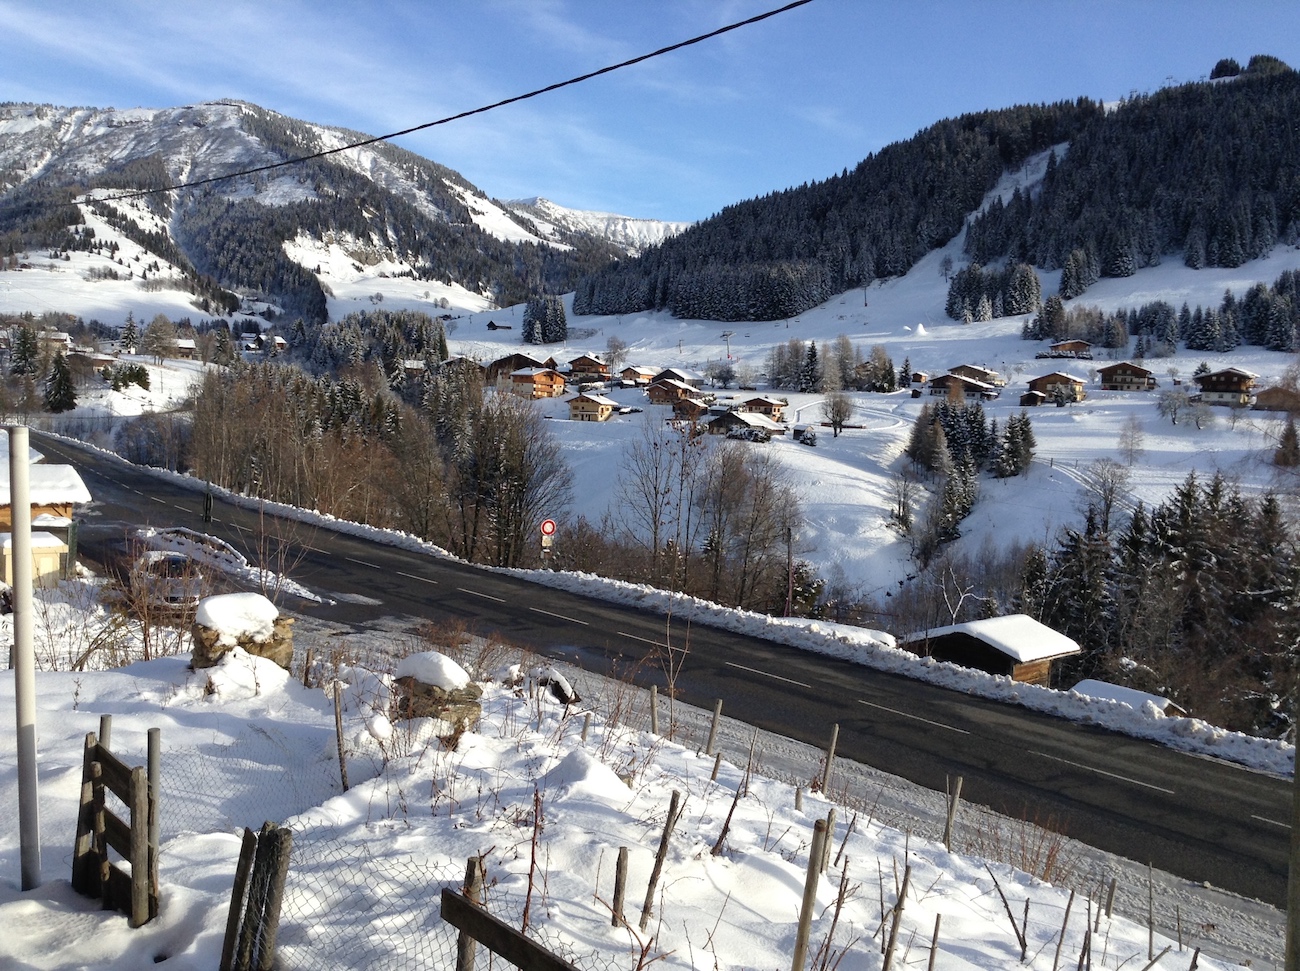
<point>1016,646</point>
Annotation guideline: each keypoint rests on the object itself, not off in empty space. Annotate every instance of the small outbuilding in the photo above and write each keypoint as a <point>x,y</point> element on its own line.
<point>1016,646</point>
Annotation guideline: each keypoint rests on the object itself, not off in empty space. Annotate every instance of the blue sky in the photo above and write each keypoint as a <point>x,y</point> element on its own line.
<point>792,99</point>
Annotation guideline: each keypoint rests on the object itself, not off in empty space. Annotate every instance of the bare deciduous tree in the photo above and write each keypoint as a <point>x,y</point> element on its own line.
<point>837,409</point>
<point>1105,483</point>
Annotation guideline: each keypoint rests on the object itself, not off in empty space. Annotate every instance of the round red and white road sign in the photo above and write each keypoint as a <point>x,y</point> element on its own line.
<point>548,527</point>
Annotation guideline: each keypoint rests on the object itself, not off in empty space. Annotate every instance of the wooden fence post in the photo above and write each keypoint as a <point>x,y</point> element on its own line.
<point>829,841</point>
<point>830,758</point>
<point>809,896</point>
<point>620,887</point>
<point>954,798</point>
<point>139,792</point>
<point>338,735</point>
<point>281,849</point>
<point>654,710</point>
<point>154,766</point>
<point>713,728</point>
<point>669,823</point>
<point>898,917</point>
<point>466,946</point>
<point>246,851</point>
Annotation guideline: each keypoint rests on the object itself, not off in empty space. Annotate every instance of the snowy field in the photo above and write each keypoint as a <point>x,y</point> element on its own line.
<point>245,741</point>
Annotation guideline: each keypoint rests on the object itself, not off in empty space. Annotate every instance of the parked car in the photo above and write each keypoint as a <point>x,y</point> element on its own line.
<point>165,579</point>
<point>750,434</point>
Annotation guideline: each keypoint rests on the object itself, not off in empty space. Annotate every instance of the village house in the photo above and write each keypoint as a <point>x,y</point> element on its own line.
<point>1278,399</point>
<point>669,390</point>
<point>499,371</point>
<point>1229,386</point>
<point>727,420</point>
<point>691,409</point>
<point>976,373</point>
<point>537,382</point>
<point>185,348</point>
<point>943,385</point>
<point>54,491</point>
<point>1072,347</point>
<point>471,369</point>
<point>1060,386</point>
<point>1126,376</point>
<point>773,408</point>
<point>684,375</point>
<point>588,367</point>
<point>591,407</point>
<point>1016,646</point>
<point>637,375</point>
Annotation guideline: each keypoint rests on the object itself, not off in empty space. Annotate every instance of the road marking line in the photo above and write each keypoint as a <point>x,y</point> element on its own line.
<point>775,677</point>
<point>895,711</point>
<point>373,566</point>
<point>176,505</point>
<point>1274,822</point>
<point>161,502</point>
<point>571,620</point>
<point>402,574</point>
<point>1111,775</point>
<point>643,640</point>
<point>485,596</point>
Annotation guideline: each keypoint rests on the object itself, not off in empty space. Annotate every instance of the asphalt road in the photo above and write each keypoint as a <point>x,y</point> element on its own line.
<point>1195,817</point>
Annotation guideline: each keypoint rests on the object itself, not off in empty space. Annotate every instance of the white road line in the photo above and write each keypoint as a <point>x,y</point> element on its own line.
<point>176,505</point>
<point>904,714</point>
<point>485,596</point>
<point>1272,822</point>
<point>643,640</point>
<point>409,575</point>
<point>161,502</point>
<point>1110,775</point>
<point>373,566</point>
<point>774,677</point>
<point>571,620</point>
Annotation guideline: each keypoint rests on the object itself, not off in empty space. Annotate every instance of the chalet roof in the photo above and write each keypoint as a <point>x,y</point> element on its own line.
<point>1018,636</point>
<point>533,372</point>
<point>50,485</point>
<point>974,367</point>
<point>765,399</point>
<point>594,358</point>
<point>751,419</point>
<point>1225,372</point>
<point>1070,340</point>
<point>679,385</point>
<point>682,374</point>
<point>1060,374</point>
<point>641,369</point>
<point>1124,364</point>
<point>599,399</point>
<point>981,385</point>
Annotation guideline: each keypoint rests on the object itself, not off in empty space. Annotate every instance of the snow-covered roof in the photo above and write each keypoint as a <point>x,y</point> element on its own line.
<point>49,484</point>
<point>752,419</point>
<point>679,385</point>
<point>1132,697</point>
<point>532,372</point>
<point>950,376</point>
<point>599,399</point>
<point>40,538</point>
<point>1062,374</point>
<point>641,369</point>
<point>1018,636</point>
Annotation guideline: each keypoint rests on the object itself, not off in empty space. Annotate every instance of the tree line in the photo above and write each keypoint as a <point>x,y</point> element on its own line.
<point>778,255</point>
<point>1204,171</point>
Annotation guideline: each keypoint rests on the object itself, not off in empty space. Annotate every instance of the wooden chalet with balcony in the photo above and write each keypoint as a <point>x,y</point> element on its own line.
<point>773,408</point>
<point>1229,386</point>
<point>945,385</point>
<point>635,375</point>
<point>976,373</point>
<point>588,367</point>
<point>1060,386</point>
<point>537,382</point>
<point>591,407</point>
<point>1126,376</point>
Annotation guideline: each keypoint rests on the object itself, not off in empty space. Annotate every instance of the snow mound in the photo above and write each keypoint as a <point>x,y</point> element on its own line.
<point>434,669</point>
<point>238,615</point>
<point>580,774</point>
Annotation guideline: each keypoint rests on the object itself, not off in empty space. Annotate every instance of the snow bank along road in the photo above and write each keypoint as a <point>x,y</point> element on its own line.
<point>1195,817</point>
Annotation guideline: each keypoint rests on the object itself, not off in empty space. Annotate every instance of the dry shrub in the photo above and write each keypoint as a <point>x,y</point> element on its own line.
<point>1035,846</point>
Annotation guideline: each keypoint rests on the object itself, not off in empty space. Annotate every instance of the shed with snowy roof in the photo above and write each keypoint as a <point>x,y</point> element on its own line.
<point>1015,645</point>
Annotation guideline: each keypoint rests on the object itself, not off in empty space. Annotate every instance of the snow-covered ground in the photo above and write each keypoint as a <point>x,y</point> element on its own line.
<point>246,741</point>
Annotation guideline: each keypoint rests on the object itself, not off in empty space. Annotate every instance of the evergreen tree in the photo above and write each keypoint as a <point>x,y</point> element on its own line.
<point>130,335</point>
<point>60,394</point>
<point>24,352</point>
<point>1287,453</point>
<point>810,373</point>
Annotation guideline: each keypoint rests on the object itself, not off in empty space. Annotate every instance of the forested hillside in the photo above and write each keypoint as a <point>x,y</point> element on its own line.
<point>1206,172</point>
<point>774,257</point>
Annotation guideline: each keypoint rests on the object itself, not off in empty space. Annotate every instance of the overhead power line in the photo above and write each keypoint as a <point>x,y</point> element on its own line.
<point>465,114</point>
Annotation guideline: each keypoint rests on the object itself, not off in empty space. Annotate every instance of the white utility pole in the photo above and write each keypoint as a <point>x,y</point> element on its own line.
<point>23,658</point>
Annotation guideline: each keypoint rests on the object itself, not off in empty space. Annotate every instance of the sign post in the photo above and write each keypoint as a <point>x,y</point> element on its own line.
<point>548,536</point>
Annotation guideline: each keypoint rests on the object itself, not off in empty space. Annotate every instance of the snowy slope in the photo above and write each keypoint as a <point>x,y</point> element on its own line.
<point>628,232</point>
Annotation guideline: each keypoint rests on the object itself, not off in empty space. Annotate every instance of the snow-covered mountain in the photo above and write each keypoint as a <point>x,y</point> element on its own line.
<point>632,234</point>
<point>387,205</point>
